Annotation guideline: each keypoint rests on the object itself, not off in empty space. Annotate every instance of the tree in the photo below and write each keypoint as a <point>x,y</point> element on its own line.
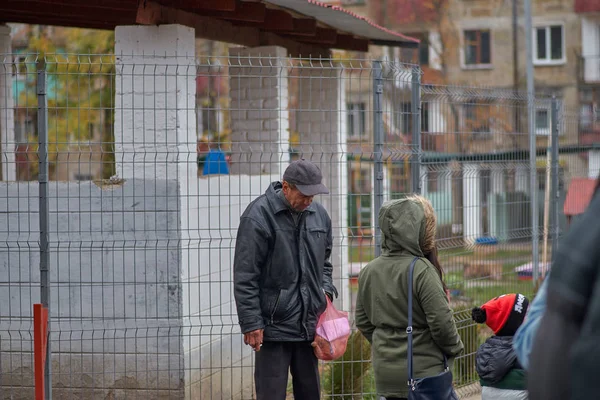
<point>80,89</point>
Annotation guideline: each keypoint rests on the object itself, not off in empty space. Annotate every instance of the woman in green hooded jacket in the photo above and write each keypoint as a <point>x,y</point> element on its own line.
<point>408,229</point>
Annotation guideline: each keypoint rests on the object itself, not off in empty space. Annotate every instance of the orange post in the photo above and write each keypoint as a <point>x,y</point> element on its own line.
<point>40,342</point>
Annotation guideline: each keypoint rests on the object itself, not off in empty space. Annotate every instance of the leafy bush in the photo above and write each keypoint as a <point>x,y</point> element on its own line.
<point>464,366</point>
<point>350,377</point>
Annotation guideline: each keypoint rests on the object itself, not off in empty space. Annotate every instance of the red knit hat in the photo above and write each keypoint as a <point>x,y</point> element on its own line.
<point>503,314</point>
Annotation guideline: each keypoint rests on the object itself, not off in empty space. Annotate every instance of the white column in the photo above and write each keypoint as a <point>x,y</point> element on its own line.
<point>258,84</point>
<point>155,117</point>
<point>155,144</point>
<point>424,180</point>
<point>522,178</point>
<point>322,128</point>
<point>497,184</point>
<point>472,226</point>
<point>7,111</point>
<point>445,180</point>
<point>594,164</point>
<point>386,182</point>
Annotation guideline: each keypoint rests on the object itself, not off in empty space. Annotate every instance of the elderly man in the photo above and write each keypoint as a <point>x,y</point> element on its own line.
<point>282,274</point>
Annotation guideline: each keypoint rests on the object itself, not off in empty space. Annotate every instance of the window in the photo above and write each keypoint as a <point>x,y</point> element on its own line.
<point>542,122</point>
<point>419,55</point>
<point>403,118</point>
<point>209,120</point>
<point>543,119</point>
<point>356,120</point>
<point>589,108</point>
<point>549,44</point>
<point>477,47</point>
<point>19,70</point>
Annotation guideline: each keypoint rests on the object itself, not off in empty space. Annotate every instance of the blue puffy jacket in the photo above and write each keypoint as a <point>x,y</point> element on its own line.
<point>523,339</point>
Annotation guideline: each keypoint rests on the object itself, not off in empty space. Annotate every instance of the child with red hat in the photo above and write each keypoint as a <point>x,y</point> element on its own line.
<point>500,374</point>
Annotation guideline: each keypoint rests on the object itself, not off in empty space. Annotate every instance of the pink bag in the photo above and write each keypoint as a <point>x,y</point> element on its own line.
<point>333,330</point>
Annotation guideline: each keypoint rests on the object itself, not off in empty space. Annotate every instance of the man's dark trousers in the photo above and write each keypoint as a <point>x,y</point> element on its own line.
<point>273,362</point>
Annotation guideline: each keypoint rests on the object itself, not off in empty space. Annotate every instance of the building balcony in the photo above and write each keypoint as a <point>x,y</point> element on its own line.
<point>587,6</point>
<point>589,69</point>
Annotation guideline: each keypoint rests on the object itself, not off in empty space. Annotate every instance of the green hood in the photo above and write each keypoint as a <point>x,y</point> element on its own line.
<point>403,227</point>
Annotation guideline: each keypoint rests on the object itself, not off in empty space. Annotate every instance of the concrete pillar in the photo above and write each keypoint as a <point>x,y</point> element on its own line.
<point>322,129</point>
<point>522,178</point>
<point>258,83</point>
<point>155,117</point>
<point>472,224</point>
<point>155,145</point>
<point>594,164</point>
<point>7,111</point>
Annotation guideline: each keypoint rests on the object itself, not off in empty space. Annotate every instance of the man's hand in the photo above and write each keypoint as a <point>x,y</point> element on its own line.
<point>254,339</point>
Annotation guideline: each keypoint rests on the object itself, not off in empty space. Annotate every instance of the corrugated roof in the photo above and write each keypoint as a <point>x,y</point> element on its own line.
<point>347,21</point>
<point>579,195</point>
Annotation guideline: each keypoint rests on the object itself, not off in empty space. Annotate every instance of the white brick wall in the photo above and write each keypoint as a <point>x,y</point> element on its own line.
<point>7,116</point>
<point>322,127</point>
<point>259,110</point>
<point>211,331</point>
<point>156,136</point>
<point>594,164</point>
<point>472,224</point>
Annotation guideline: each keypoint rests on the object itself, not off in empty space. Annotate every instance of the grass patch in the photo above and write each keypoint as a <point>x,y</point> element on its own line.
<point>361,254</point>
<point>454,252</point>
<point>481,291</point>
<point>366,253</point>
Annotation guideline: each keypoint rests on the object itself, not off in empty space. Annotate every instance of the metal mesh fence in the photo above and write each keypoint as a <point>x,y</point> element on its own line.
<point>151,160</point>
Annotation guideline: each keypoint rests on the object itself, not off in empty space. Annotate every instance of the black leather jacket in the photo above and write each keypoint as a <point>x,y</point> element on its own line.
<point>281,269</point>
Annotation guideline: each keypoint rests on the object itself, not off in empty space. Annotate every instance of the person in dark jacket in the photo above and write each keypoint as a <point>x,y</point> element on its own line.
<point>565,353</point>
<point>281,274</point>
<point>500,374</point>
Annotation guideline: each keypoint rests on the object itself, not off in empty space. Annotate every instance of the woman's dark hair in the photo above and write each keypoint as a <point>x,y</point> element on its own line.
<point>433,259</point>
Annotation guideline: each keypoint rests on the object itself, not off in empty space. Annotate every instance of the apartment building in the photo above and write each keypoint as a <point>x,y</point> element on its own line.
<point>589,71</point>
<point>480,43</point>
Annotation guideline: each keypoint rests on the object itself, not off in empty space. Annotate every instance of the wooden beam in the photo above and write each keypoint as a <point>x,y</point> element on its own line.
<point>278,21</point>
<point>305,27</point>
<point>199,5</point>
<point>351,43</point>
<point>323,36</point>
<point>57,21</point>
<point>244,11</point>
<point>50,14</point>
<point>90,5</point>
<point>152,13</point>
<point>294,48</point>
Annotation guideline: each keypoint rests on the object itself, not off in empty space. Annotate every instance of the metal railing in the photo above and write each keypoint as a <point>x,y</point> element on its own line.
<point>119,208</point>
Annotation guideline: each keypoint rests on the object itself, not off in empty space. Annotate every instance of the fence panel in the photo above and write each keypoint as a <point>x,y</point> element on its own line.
<point>19,225</point>
<point>152,159</point>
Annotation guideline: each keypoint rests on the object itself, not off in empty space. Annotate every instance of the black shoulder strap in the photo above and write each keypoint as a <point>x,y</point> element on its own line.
<point>409,328</point>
